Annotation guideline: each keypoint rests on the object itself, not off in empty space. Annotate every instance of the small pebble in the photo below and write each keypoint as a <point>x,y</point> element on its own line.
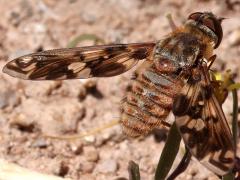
<point>3,101</point>
<point>104,138</point>
<point>91,154</point>
<point>90,139</point>
<point>108,166</point>
<point>77,148</point>
<point>9,98</point>
<point>21,122</point>
<point>87,167</point>
<point>89,17</point>
<point>40,143</point>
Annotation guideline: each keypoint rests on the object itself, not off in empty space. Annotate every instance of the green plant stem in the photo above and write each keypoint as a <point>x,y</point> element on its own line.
<point>169,153</point>
<point>230,175</point>
<point>133,170</point>
<point>235,117</point>
<point>234,86</point>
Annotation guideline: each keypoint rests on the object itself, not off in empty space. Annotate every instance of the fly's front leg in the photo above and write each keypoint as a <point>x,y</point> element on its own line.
<point>171,22</point>
<point>211,60</point>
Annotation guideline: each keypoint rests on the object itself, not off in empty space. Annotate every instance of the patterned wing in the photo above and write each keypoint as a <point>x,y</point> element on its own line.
<point>203,125</point>
<point>80,62</point>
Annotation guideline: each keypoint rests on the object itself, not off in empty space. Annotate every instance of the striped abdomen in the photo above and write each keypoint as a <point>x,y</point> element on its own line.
<point>149,101</point>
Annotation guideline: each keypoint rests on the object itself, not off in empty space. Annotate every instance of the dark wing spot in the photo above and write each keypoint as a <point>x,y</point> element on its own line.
<point>109,70</point>
<point>14,68</point>
<point>141,53</point>
<point>71,75</point>
<point>82,57</point>
<point>208,91</point>
<point>178,71</point>
<point>180,105</point>
<point>50,71</point>
<point>110,50</point>
<point>101,58</point>
<point>185,129</point>
<point>192,142</point>
<point>195,112</point>
<point>193,80</point>
<point>57,72</point>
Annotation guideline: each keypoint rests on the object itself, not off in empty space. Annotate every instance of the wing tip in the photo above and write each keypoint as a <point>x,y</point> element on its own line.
<point>7,70</point>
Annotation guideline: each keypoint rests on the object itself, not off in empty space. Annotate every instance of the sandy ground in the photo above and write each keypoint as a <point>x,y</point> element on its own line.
<point>29,110</point>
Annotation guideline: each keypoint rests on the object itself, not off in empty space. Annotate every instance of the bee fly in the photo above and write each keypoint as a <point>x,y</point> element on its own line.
<point>174,77</point>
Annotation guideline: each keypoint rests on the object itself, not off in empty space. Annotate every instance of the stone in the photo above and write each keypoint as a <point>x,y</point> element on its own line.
<point>91,154</point>
<point>86,167</point>
<point>107,166</point>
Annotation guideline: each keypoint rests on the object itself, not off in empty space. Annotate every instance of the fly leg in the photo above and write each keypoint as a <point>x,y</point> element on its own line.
<point>171,22</point>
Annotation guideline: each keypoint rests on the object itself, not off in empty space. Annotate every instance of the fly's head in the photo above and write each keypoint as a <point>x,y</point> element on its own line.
<point>209,24</point>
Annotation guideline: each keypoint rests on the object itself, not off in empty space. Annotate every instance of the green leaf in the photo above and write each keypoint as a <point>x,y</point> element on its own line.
<point>169,153</point>
<point>182,166</point>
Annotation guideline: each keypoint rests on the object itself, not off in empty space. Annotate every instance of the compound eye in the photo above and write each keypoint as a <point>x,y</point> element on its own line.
<point>195,16</point>
<point>209,23</point>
